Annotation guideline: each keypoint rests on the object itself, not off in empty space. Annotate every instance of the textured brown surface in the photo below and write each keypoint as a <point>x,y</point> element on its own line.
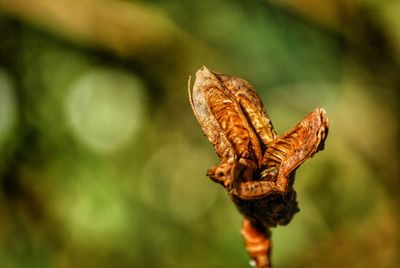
<point>257,167</point>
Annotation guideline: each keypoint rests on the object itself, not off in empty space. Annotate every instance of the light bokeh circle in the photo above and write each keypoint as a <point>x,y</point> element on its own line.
<point>105,108</point>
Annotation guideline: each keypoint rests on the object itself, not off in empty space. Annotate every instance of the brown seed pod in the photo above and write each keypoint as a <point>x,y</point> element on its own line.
<point>257,167</point>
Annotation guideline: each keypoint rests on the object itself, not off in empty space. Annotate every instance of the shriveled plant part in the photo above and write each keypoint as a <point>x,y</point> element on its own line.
<point>257,166</point>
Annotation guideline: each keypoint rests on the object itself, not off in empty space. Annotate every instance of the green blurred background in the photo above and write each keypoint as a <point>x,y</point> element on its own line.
<point>102,163</point>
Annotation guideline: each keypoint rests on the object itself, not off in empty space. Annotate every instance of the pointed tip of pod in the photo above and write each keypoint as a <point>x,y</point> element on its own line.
<point>203,71</point>
<point>321,110</point>
<point>204,79</point>
<point>324,128</point>
<point>204,68</point>
<point>324,118</point>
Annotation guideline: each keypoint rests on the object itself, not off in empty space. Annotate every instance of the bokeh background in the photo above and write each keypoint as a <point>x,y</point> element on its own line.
<point>102,163</point>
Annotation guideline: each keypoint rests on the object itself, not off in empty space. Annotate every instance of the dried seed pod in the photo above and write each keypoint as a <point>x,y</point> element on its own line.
<point>257,168</point>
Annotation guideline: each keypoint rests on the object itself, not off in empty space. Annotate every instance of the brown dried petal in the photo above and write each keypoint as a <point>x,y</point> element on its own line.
<point>297,145</point>
<point>252,106</point>
<point>215,134</point>
<point>222,119</point>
